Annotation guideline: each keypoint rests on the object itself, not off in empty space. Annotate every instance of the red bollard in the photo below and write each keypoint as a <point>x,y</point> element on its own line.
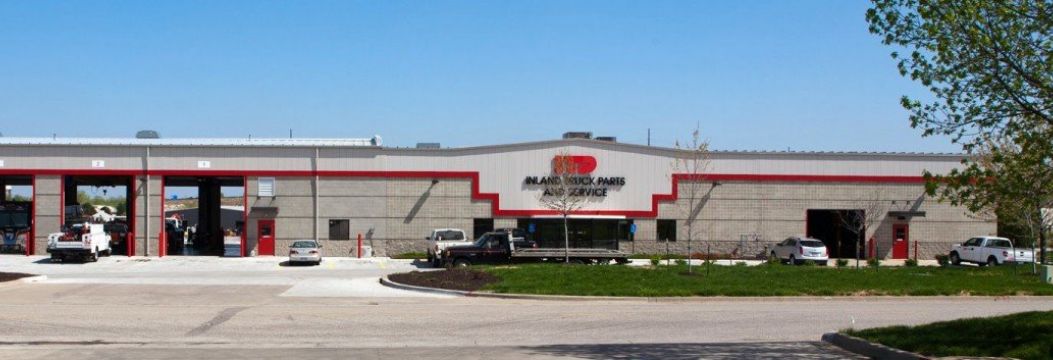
<point>359,246</point>
<point>130,240</point>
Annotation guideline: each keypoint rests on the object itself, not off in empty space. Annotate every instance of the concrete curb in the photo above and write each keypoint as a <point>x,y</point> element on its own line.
<point>34,279</point>
<point>387,282</point>
<point>680,299</point>
<point>872,350</point>
<point>25,280</point>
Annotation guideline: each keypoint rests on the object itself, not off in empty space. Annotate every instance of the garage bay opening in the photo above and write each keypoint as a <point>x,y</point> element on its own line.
<point>838,231</point>
<point>106,200</point>
<point>16,214</point>
<point>204,215</point>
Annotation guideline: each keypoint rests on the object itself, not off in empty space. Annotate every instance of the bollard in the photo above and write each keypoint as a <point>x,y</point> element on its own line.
<point>131,243</point>
<point>360,245</point>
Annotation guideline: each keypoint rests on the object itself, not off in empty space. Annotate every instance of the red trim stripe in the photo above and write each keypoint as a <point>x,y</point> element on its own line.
<point>494,198</point>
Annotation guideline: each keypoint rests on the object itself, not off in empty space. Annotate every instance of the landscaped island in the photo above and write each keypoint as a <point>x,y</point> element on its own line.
<point>1027,335</point>
<point>716,280</point>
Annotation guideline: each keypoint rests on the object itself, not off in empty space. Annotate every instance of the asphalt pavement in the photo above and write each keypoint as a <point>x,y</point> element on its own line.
<point>258,308</point>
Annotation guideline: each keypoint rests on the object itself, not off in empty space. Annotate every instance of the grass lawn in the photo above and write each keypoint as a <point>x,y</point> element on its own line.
<point>1026,335</point>
<point>764,280</point>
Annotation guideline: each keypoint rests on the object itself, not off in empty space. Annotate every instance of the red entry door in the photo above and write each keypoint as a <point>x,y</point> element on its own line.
<point>265,237</point>
<point>900,241</point>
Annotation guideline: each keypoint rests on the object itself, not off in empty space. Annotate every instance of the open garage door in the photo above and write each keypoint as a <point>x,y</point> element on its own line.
<point>107,200</point>
<point>204,215</point>
<point>834,228</point>
<point>16,215</point>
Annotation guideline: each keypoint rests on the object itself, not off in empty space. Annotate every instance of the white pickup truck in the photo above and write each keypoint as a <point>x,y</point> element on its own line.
<point>79,241</point>
<point>989,250</point>
<point>440,239</point>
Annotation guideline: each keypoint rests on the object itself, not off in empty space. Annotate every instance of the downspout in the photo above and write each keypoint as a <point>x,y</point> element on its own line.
<point>146,210</point>
<point>316,151</point>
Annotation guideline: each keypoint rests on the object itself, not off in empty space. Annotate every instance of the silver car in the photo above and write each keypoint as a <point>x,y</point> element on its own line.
<point>796,250</point>
<point>305,251</point>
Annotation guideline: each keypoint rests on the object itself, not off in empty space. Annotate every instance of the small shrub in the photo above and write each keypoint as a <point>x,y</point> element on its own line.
<point>740,263</point>
<point>910,263</point>
<point>873,262</point>
<point>655,259</point>
<point>943,260</point>
<point>773,261</point>
<point>808,263</point>
<point>842,263</point>
<point>681,262</point>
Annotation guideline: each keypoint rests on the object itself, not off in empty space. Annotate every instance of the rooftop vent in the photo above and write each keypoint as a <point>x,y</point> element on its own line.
<point>428,145</point>
<point>577,135</point>
<point>607,138</point>
<point>147,134</point>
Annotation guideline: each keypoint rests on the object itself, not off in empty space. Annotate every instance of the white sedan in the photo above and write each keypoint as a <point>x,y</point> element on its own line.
<point>305,251</point>
<point>796,250</point>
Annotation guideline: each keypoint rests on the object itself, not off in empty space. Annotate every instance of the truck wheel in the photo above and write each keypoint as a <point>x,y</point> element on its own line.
<point>792,260</point>
<point>55,257</point>
<point>955,260</point>
<point>992,261</point>
<point>436,263</point>
<point>621,261</point>
<point>461,263</point>
<point>577,261</point>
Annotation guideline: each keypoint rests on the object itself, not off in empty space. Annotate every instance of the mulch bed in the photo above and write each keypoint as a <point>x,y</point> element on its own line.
<point>6,276</point>
<point>454,279</point>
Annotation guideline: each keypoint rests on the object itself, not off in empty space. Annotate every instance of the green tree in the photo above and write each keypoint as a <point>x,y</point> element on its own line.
<point>1004,180</point>
<point>989,64</point>
<point>989,68</point>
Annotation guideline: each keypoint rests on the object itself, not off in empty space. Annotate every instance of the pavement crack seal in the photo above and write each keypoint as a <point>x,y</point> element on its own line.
<point>220,318</point>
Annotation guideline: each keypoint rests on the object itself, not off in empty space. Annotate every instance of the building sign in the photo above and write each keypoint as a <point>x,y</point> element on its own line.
<point>576,170</point>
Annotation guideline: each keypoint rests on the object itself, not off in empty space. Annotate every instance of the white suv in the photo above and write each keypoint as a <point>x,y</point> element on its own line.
<point>795,250</point>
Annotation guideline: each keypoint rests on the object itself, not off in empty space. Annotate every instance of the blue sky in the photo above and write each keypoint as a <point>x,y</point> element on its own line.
<point>757,75</point>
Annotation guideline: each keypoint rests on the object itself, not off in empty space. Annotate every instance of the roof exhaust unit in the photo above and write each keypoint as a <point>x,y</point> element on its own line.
<point>147,134</point>
<point>577,135</point>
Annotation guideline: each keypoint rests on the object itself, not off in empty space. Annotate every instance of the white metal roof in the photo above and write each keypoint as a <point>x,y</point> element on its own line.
<point>278,142</point>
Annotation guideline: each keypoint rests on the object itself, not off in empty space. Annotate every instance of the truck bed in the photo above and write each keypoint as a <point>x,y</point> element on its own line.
<point>578,253</point>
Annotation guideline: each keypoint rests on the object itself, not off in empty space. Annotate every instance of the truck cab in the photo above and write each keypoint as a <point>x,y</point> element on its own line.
<point>440,239</point>
<point>15,225</point>
<point>491,248</point>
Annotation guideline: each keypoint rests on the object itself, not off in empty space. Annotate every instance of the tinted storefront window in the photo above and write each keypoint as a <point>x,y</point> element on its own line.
<point>584,233</point>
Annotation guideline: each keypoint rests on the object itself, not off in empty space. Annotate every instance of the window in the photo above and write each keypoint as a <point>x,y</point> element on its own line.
<point>998,243</point>
<point>339,229</point>
<point>266,187</point>
<point>973,242</point>
<point>449,235</point>
<point>482,226</point>
<point>666,230</point>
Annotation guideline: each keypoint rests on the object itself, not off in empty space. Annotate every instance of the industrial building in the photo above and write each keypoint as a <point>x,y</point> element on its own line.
<point>335,190</point>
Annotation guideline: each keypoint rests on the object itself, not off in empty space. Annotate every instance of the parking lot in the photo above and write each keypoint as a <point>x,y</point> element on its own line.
<point>231,308</point>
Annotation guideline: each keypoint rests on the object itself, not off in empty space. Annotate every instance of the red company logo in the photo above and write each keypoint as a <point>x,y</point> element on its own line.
<point>575,164</point>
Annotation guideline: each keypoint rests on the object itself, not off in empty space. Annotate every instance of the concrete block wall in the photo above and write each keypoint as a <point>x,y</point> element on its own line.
<point>47,210</point>
<point>766,213</point>
<point>393,215</point>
